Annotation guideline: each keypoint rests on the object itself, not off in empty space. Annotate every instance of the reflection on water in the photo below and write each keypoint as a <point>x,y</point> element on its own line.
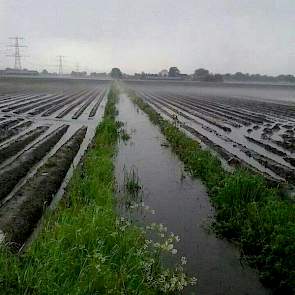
<point>183,206</point>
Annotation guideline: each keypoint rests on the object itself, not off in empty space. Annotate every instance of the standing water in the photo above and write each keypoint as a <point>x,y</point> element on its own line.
<point>182,204</point>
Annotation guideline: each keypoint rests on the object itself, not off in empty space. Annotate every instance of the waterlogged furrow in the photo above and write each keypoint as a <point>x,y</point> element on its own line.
<point>9,124</point>
<point>97,104</point>
<point>19,216</point>
<point>197,113</point>
<point>13,96</point>
<point>30,107</point>
<point>69,99</point>
<point>85,105</point>
<point>21,102</point>
<point>18,169</point>
<point>74,105</point>
<point>223,111</point>
<point>10,132</point>
<point>234,128</point>
<point>12,148</point>
<point>276,171</point>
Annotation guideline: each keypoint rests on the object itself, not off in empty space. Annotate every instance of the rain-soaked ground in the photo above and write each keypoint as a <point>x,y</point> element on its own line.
<point>42,121</point>
<point>253,125</point>
<point>181,204</point>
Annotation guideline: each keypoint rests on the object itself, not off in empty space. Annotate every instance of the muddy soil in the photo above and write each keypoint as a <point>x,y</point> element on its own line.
<point>86,105</point>
<point>181,204</point>
<point>19,216</point>
<point>13,173</point>
<point>257,131</point>
<point>96,106</point>
<point>19,144</point>
<point>32,136</point>
<point>10,132</point>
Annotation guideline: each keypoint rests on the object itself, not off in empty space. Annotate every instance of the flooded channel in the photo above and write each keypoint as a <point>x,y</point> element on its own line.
<point>181,204</point>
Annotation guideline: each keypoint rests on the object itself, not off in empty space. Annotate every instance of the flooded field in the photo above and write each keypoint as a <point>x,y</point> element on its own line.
<point>45,126</point>
<point>182,204</point>
<point>249,125</point>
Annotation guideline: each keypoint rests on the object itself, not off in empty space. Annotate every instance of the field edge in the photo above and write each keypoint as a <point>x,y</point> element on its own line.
<point>248,211</point>
<point>84,247</point>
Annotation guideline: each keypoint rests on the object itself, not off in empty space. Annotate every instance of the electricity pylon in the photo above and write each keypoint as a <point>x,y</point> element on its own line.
<point>17,56</point>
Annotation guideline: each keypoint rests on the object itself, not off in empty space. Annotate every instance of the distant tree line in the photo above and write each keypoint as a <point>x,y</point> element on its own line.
<point>205,76</point>
<point>258,78</point>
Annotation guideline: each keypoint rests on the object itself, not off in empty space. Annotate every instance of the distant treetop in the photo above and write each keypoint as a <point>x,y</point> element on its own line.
<point>174,72</point>
<point>116,73</point>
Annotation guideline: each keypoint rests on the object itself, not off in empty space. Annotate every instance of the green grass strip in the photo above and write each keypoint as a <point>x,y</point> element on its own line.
<point>247,210</point>
<point>83,247</point>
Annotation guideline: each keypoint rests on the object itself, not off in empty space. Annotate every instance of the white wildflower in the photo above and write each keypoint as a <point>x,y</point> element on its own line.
<point>193,281</point>
<point>183,260</point>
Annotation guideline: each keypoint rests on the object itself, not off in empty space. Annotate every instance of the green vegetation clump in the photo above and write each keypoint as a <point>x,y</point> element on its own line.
<point>247,210</point>
<point>84,247</point>
<point>132,182</point>
<point>124,135</point>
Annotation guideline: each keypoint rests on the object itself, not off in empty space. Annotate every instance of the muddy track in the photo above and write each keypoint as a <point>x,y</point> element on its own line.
<point>20,215</point>
<point>12,174</point>
<point>20,143</point>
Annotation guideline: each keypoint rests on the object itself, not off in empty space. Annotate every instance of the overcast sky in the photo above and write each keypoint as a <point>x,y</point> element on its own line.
<point>255,36</point>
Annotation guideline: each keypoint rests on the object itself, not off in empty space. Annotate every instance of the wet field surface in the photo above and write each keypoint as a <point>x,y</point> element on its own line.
<point>45,127</point>
<point>181,204</point>
<point>250,125</point>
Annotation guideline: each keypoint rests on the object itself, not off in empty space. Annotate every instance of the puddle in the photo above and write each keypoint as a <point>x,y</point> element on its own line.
<point>183,206</point>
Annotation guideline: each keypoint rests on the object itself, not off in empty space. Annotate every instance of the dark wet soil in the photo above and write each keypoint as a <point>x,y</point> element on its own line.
<point>19,144</point>
<point>12,174</point>
<point>181,204</point>
<point>9,132</point>
<point>19,216</point>
<point>32,134</point>
<point>97,104</point>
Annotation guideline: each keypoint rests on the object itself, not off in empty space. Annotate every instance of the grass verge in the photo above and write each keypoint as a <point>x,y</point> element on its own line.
<point>84,248</point>
<point>247,210</point>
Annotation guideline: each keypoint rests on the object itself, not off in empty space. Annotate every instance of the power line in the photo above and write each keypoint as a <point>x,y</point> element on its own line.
<point>17,56</point>
<point>60,64</point>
